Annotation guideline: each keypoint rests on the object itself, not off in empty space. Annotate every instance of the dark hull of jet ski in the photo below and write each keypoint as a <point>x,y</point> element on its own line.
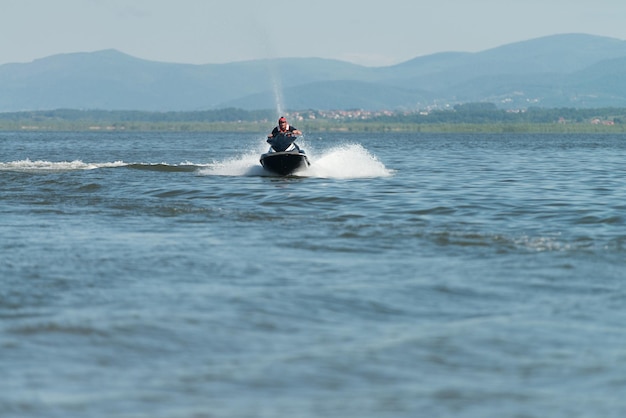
<point>284,156</point>
<point>284,163</point>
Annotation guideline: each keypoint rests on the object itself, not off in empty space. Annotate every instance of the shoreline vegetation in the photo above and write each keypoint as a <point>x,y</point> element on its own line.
<point>467,118</point>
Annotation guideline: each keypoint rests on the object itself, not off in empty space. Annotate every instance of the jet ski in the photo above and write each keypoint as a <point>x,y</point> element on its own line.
<point>284,157</point>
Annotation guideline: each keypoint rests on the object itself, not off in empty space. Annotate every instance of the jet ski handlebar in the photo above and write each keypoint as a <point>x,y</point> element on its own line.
<point>281,141</point>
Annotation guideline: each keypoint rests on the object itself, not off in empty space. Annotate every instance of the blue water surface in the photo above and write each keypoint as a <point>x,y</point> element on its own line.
<point>149,274</point>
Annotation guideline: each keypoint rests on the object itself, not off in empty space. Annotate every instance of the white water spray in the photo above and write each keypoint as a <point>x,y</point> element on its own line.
<point>278,96</point>
<point>351,161</point>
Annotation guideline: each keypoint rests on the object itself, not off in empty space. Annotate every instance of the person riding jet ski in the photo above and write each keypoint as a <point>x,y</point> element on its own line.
<point>285,128</point>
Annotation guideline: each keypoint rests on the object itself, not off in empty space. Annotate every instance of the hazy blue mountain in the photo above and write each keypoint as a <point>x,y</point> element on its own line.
<point>338,94</point>
<point>573,70</point>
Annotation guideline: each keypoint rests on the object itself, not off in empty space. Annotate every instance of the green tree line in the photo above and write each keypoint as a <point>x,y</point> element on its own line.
<point>477,113</point>
<point>466,117</point>
<point>114,116</point>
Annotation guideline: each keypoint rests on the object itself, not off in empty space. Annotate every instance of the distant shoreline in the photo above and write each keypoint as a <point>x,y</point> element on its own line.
<point>309,127</point>
<point>467,118</point>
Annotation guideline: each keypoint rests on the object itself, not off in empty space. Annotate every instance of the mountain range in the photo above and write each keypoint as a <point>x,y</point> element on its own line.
<point>568,70</point>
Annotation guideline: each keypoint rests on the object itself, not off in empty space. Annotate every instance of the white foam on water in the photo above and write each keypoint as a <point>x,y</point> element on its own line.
<point>341,162</point>
<point>51,166</point>
<point>243,165</point>
<point>347,162</point>
<point>344,162</point>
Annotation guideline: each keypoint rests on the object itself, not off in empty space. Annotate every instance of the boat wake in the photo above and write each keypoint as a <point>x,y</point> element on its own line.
<point>343,162</point>
<point>243,165</point>
<point>52,166</point>
<point>42,166</point>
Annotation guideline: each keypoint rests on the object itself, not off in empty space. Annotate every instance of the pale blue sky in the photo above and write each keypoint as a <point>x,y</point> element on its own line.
<point>218,31</point>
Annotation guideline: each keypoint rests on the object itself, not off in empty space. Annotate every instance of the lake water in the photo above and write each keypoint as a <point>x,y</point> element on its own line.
<point>412,275</point>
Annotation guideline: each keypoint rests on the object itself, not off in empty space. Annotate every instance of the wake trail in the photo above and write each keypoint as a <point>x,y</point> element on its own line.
<point>51,166</point>
<point>43,166</point>
<point>349,161</point>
